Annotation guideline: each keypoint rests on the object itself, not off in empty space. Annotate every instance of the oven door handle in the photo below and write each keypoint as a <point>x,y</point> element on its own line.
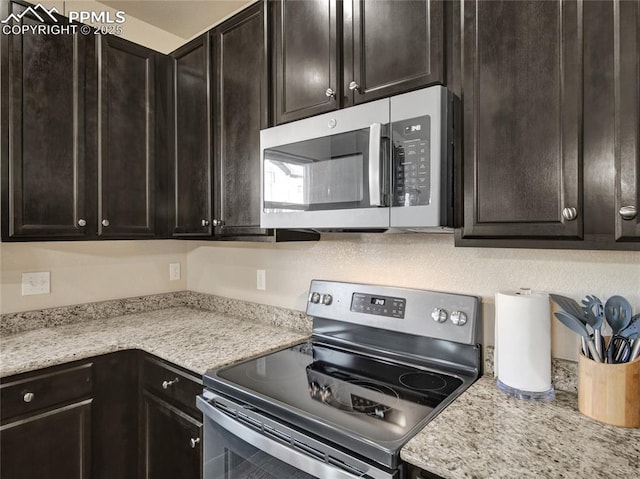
<point>375,198</point>
<point>290,456</point>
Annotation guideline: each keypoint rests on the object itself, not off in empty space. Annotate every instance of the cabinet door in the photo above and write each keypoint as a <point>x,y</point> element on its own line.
<point>50,445</point>
<point>627,104</point>
<point>241,111</point>
<point>522,83</point>
<point>397,46</point>
<point>172,443</point>
<point>306,58</point>
<point>191,162</point>
<point>126,132</point>
<point>43,157</point>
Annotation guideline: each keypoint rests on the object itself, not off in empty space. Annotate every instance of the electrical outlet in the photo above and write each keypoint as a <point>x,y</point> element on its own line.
<point>174,271</point>
<point>36,283</point>
<point>261,282</point>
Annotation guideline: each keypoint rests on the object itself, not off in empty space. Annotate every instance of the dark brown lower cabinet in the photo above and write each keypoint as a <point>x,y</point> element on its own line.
<point>414,472</point>
<point>46,423</point>
<point>48,445</point>
<point>106,417</point>
<point>172,446</point>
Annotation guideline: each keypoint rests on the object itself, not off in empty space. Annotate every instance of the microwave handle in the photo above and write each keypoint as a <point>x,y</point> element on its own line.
<point>375,198</point>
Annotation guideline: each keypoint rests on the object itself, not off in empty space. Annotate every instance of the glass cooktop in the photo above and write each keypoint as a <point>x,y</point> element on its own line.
<point>367,396</point>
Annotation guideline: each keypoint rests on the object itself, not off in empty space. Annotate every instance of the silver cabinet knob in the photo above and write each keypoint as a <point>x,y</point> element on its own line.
<point>105,223</point>
<point>330,93</point>
<point>28,397</point>
<point>205,222</point>
<point>194,442</point>
<point>353,86</point>
<point>628,212</point>
<point>82,222</point>
<point>218,222</point>
<point>458,318</point>
<point>168,384</point>
<point>326,299</point>
<point>439,315</point>
<point>570,213</point>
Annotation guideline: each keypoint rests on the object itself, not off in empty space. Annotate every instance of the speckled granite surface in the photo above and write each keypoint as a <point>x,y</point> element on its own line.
<point>564,373</point>
<point>13,323</point>
<point>195,339</point>
<point>485,434</point>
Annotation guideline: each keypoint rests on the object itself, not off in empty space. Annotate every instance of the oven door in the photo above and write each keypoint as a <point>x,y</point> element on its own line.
<point>244,444</point>
<point>329,171</point>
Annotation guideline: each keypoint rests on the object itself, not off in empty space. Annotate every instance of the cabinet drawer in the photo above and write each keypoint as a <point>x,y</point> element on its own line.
<point>44,390</point>
<point>171,383</point>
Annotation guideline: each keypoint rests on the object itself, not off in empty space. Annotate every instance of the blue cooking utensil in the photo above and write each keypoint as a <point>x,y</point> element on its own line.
<point>617,310</point>
<point>593,311</point>
<point>575,325</point>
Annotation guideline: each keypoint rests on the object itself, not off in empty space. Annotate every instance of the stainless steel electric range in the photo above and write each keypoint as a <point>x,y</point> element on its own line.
<point>381,362</point>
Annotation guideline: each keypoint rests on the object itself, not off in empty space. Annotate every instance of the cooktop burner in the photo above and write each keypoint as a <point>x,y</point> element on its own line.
<point>423,381</point>
<point>371,396</point>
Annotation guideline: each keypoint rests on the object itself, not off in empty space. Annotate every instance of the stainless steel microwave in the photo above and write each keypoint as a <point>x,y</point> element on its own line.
<point>381,165</point>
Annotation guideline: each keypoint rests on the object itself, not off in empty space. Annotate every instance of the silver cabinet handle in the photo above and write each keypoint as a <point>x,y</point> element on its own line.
<point>330,93</point>
<point>28,397</point>
<point>205,222</point>
<point>82,222</point>
<point>628,212</point>
<point>168,384</point>
<point>218,222</point>
<point>570,213</point>
<point>194,442</point>
<point>353,86</point>
<point>105,223</point>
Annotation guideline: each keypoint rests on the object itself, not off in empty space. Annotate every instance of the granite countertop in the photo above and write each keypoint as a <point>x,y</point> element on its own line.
<point>482,434</point>
<point>194,339</point>
<point>486,434</point>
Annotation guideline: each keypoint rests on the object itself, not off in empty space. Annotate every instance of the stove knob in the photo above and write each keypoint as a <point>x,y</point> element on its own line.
<point>439,315</point>
<point>314,298</point>
<point>458,318</point>
<point>325,393</point>
<point>326,299</point>
<point>379,412</point>
<point>314,389</point>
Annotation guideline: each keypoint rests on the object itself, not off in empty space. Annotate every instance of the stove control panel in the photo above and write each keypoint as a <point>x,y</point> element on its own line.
<point>378,305</point>
<point>433,314</point>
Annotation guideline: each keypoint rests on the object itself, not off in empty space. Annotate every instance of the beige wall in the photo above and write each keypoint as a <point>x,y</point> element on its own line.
<point>83,272</point>
<point>412,260</point>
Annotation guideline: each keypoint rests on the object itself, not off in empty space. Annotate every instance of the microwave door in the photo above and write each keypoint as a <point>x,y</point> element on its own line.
<point>328,181</point>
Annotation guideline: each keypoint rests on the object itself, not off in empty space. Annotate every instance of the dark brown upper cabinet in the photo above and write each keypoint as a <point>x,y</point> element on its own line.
<point>126,136</point>
<point>241,107</point>
<point>191,163</point>
<point>522,84</point>
<point>306,58</point>
<point>627,104</point>
<point>550,113</point>
<point>330,54</point>
<point>43,135</point>
<point>391,47</point>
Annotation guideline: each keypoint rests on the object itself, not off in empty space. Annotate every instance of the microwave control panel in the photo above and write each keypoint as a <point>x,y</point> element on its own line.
<point>379,305</point>
<point>412,161</point>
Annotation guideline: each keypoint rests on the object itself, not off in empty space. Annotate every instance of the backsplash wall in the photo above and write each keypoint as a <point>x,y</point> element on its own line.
<point>412,260</point>
<point>88,271</point>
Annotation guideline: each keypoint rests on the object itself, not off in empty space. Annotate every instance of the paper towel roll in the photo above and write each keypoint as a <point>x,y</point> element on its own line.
<point>523,341</point>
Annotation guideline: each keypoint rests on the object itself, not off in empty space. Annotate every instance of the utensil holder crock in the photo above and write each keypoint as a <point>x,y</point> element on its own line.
<point>609,393</point>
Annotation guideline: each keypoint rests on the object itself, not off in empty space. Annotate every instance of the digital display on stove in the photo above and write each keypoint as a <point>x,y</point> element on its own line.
<point>378,305</point>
